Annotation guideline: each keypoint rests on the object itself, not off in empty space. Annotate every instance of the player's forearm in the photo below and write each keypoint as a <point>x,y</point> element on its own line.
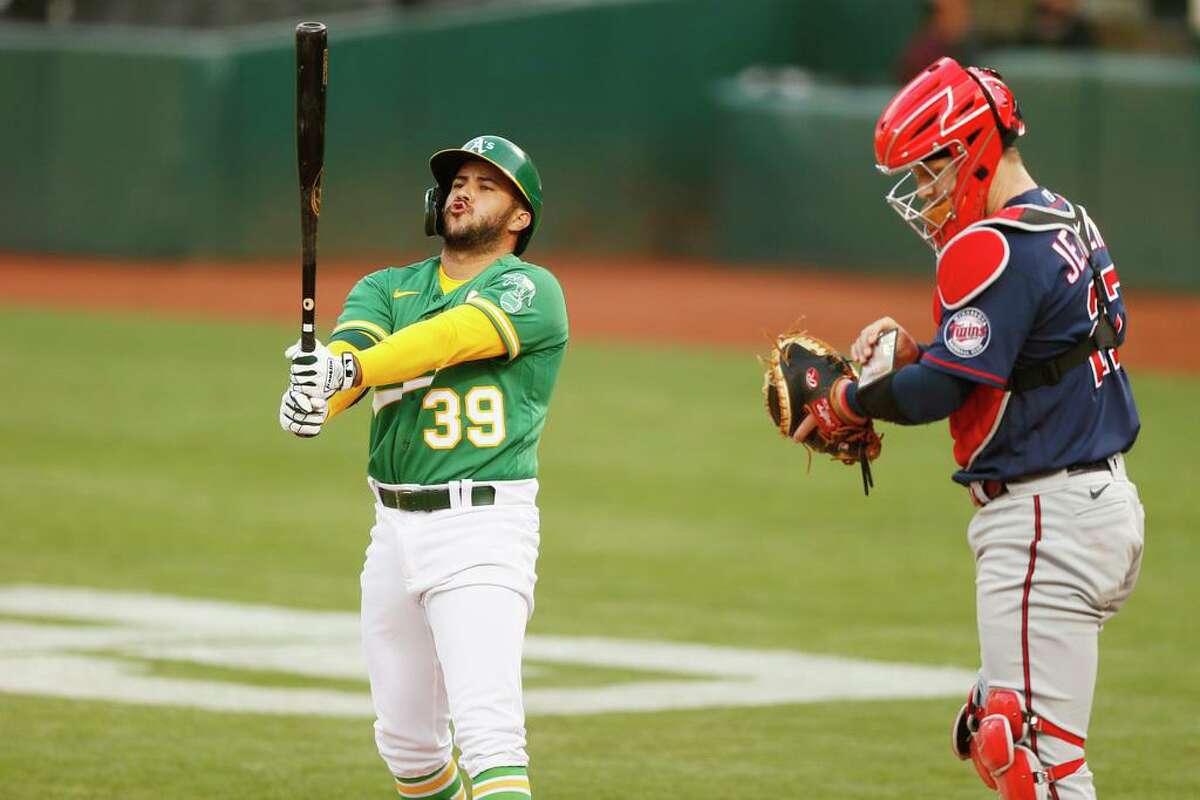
<point>914,395</point>
<point>347,397</point>
<point>462,334</point>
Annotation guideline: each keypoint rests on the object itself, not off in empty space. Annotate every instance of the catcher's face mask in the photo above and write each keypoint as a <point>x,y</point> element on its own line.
<point>924,196</point>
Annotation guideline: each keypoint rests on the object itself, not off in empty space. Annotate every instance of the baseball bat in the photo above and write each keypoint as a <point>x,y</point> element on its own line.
<point>312,76</point>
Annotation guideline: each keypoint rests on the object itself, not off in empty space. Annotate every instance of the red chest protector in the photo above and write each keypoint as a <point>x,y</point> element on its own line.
<point>970,263</point>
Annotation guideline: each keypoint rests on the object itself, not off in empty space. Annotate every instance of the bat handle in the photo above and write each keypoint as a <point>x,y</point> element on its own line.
<point>308,300</point>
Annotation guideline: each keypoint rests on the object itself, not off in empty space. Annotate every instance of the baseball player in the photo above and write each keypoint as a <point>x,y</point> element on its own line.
<point>1025,364</point>
<point>462,351</point>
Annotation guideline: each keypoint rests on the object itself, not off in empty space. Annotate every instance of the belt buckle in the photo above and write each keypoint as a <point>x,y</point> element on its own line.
<point>397,497</point>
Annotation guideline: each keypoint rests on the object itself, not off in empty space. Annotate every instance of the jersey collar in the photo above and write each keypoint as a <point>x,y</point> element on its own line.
<point>503,262</point>
<point>1037,196</point>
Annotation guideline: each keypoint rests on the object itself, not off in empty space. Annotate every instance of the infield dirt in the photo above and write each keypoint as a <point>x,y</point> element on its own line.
<point>631,299</point>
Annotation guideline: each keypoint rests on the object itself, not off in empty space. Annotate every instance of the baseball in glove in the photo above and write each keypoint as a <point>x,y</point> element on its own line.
<point>805,377</point>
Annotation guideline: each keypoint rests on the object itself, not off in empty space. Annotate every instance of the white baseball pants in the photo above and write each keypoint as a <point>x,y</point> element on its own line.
<point>1055,558</point>
<point>445,599</point>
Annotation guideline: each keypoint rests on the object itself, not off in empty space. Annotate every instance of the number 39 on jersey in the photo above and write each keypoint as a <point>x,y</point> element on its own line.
<point>479,413</point>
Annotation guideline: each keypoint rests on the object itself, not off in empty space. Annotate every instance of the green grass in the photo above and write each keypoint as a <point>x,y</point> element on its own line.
<point>538,674</point>
<point>145,455</point>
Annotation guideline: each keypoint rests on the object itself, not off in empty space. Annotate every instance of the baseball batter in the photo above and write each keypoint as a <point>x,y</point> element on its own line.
<point>462,351</point>
<point>1025,364</point>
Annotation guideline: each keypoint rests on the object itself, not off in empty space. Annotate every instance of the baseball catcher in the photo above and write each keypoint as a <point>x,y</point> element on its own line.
<point>1025,365</point>
<point>805,390</point>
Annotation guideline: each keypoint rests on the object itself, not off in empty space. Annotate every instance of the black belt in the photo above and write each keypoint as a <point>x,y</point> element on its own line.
<point>994,488</point>
<point>431,499</point>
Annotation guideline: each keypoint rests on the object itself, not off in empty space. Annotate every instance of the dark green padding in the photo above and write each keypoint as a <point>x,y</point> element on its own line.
<point>152,143</point>
<point>1116,133</point>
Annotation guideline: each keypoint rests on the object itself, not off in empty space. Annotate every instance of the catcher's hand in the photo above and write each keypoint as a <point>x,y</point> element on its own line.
<point>805,390</point>
<point>907,351</point>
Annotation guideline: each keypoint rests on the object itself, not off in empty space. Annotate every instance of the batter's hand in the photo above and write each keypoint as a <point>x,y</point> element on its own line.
<point>301,414</point>
<point>321,373</point>
<point>864,345</point>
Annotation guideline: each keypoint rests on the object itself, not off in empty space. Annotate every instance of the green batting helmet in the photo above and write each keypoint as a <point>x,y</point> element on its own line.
<point>514,162</point>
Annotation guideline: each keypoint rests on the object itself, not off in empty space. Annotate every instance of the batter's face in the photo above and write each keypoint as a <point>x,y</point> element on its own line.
<point>482,209</point>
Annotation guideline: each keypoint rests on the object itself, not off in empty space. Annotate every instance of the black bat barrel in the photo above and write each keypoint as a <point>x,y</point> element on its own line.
<point>312,76</point>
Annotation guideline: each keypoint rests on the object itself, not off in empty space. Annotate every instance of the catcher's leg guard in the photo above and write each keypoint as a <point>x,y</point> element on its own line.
<point>1012,767</point>
<point>992,732</point>
<point>966,724</point>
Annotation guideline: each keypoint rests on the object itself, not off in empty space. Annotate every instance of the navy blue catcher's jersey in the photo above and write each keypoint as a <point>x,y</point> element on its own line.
<point>1010,296</point>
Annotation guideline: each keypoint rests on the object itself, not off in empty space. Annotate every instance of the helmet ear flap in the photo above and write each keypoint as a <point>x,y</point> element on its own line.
<point>433,211</point>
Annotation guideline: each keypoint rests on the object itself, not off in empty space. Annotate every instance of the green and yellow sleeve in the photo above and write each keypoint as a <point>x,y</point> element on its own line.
<point>464,333</point>
<point>526,307</point>
<point>366,317</point>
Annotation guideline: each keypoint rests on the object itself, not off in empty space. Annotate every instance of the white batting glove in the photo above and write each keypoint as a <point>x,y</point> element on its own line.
<point>320,373</point>
<point>301,414</point>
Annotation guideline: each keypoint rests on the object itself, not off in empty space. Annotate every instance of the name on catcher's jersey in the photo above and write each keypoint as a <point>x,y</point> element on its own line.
<point>480,419</point>
<point>1009,297</point>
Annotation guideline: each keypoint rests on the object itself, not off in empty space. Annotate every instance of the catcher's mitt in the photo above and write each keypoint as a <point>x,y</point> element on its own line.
<point>806,376</point>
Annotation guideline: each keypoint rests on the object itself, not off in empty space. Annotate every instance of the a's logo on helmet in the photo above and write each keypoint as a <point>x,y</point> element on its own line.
<point>479,145</point>
<point>811,378</point>
<point>968,333</point>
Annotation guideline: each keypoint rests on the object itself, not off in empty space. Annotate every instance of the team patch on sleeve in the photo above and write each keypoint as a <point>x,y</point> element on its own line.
<point>517,292</point>
<point>968,332</point>
<point>970,263</point>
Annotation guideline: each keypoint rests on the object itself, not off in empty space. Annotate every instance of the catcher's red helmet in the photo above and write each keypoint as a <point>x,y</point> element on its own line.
<point>968,115</point>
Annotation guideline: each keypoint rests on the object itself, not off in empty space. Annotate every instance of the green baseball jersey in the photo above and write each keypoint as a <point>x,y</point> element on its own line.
<point>479,419</point>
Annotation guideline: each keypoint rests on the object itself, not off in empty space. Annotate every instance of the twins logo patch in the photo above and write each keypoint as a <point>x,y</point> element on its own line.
<point>968,333</point>
<point>811,378</point>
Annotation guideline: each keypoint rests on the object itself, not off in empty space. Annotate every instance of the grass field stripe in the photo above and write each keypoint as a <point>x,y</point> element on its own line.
<point>430,784</point>
<point>137,623</point>
<point>502,322</point>
<point>362,325</point>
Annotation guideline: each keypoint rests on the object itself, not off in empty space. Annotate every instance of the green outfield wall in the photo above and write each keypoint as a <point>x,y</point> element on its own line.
<point>153,144</point>
<point>1118,133</point>
<point>167,144</point>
